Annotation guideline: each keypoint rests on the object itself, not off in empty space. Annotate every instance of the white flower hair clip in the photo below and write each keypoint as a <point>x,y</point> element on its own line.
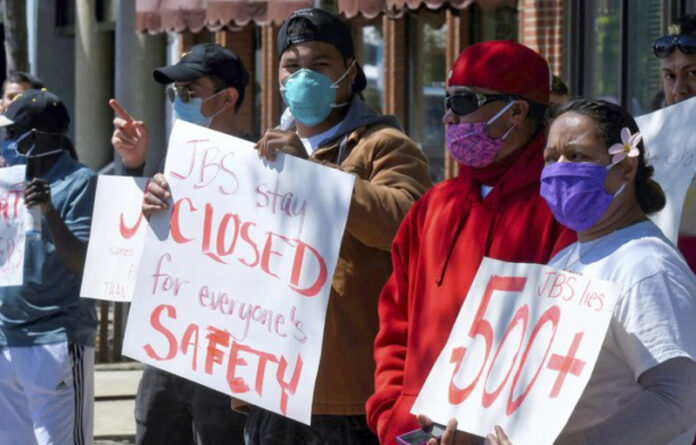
<point>627,147</point>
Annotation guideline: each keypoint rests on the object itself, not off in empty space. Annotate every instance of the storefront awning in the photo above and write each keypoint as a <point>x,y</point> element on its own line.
<point>372,8</point>
<point>156,16</point>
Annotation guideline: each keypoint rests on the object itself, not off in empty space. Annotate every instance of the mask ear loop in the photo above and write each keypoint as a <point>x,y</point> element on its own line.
<point>623,185</point>
<point>335,85</point>
<point>497,116</point>
<point>29,152</point>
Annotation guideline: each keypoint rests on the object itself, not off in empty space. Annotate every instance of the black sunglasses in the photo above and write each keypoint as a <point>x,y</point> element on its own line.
<point>664,46</point>
<point>465,103</point>
<point>173,91</point>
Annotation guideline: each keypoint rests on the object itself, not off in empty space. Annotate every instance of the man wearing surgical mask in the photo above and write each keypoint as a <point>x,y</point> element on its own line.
<point>320,80</point>
<point>497,93</point>
<point>206,87</point>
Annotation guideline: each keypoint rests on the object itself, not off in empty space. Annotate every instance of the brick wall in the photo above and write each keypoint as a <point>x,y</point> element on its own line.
<point>541,26</point>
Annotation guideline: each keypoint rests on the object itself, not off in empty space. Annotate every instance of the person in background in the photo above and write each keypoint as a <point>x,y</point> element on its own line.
<point>47,332</point>
<point>206,87</point>
<point>560,95</point>
<point>677,54</point>
<point>497,95</point>
<point>16,83</point>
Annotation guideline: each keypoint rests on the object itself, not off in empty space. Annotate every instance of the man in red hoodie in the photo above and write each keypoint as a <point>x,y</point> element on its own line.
<point>496,99</point>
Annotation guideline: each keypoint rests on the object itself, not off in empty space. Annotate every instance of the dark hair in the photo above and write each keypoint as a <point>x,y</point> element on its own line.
<point>219,84</point>
<point>686,24</point>
<point>21,77</point>
<point>537,113</point>
<point>610,119</point>
<point>558,86</point>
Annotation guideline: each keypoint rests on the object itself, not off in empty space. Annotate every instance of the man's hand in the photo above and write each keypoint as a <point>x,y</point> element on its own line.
<point>451,435</point>
<point>156,196</point>
<point>38,193</point>
<point>275,141</point>
<point>129,138</point>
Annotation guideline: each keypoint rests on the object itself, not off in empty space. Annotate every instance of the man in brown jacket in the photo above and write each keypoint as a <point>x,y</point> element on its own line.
<point>329,124</point>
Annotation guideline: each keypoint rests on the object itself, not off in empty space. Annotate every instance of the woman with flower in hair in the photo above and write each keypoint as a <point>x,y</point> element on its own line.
<point>643,387</point>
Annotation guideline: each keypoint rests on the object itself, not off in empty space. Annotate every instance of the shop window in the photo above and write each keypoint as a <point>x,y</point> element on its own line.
<point>644,84</point>
<point>369,50</point>
<point>603,50</point>
<point>428,45</point>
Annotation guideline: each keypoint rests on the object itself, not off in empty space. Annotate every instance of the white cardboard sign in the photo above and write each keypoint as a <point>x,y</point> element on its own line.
<point>234,280</point>
<point>670,144</point>
<point>520,353</point>
<point>12,225</point>
<point>116,241</point>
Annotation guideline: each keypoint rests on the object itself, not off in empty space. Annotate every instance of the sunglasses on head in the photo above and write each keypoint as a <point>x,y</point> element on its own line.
<point>465,103</point>
<point>664,46</point>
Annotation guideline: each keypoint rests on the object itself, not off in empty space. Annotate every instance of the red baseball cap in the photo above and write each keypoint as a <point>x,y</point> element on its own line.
<point>503,66</point>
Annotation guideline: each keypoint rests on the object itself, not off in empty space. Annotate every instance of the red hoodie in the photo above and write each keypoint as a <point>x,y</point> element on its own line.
<point>436,255</point>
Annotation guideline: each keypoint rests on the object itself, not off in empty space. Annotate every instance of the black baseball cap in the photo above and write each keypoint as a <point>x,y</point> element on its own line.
<point>206,59</point>
<point>321,26</point>
<point>37,109</point>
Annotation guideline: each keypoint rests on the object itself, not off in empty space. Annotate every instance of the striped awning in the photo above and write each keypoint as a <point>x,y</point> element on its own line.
<point>373,8</point>
<point>156,16</point>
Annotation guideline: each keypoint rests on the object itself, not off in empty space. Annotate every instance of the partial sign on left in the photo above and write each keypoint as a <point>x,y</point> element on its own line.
<point>12,225</point>
<point>116,241</point>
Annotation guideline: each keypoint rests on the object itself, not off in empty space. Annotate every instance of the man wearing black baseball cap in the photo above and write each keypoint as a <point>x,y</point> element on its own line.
<point>44,324</point>
<point>206,87</point>
<point>320,81</point>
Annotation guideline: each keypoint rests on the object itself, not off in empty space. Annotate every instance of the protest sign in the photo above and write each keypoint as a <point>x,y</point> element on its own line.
<point>670,147</point>
<point>520,353</point>
<point>234,279</point>
<point>116,241</point>
<point>12,225</point>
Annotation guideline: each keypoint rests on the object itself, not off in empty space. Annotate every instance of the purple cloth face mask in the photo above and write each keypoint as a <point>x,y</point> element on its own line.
<point>469,143</point>
<point>575,193</point>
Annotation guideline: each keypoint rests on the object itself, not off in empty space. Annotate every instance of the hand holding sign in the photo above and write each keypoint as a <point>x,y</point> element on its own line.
<point>521,351</point>
<point>129,138</point>
<point>156,196</point>
<point>279,141</point>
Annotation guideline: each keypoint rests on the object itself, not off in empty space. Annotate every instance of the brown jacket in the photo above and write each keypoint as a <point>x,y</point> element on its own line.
<point>391,174</point>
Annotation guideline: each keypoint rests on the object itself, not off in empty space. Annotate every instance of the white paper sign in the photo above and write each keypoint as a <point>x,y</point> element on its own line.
<point>520,353</point>
<point>234,281</point>
<point>12,225</point>
<point>116,241</point>
<point>670,144</point>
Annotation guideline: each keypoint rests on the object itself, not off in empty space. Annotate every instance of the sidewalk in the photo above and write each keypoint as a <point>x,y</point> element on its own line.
<point>115,386</point>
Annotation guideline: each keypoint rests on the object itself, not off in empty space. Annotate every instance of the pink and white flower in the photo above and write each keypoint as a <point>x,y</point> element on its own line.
<point>627,147</point>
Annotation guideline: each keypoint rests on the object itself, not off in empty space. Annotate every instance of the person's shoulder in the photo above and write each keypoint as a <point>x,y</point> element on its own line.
<point>645,253</point>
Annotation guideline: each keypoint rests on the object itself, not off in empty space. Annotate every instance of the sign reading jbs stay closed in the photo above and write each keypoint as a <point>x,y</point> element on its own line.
<point>234,279</point>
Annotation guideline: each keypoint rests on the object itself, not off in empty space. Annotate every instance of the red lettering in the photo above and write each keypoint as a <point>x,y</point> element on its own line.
<point>155,323</point>
<point>236,384</point>
<point>247,239</point>
<point>174,222</point>
<point>267,252</point>
<point>290,387</point>
<point>215,337</point>
<point>191,332</point>
<point>315,288</point>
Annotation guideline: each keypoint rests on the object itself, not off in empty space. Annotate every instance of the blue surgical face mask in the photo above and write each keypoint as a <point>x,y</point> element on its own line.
<point>191,111</point>
<point>311,95</point>
<point>10,154</point>
<point>13,157</point>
